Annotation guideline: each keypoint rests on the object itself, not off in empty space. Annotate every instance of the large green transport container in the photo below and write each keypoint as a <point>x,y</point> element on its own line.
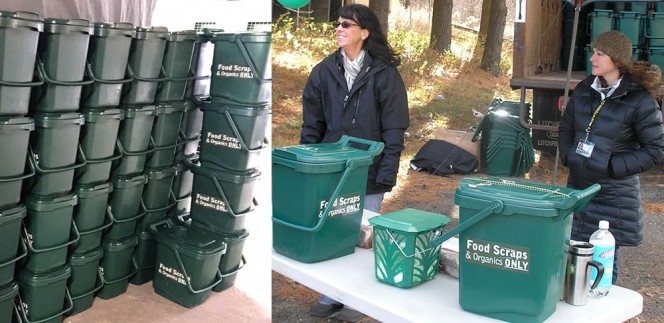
<point>63,47</point>
<point>108,55</point>
<point>403,252</point>
<point>514,237</point>
<point>145,59</point>
<point>19,36</point>
<point>117,266</point>
<point>48,231</point>
<point>232,137</point>
<point>8,293</point>
<point>33,306</point>
<point>241,69</point>
<point>98,143</point>
<point>177,65</point>
<point>14,136</point>
<point>318,197</point>
<point>90,216</point>
<point>10,231</point>
<point>84,280</point>
<point>187,261</point>
<point>134,140</point>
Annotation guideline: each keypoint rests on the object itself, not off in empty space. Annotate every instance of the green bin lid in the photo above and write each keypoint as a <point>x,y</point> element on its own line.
<point>92,190</point>
<point>133,112</point>
<point>16,123</point>
<point>183,35</point>
<point>8,292</point>
<point>168,108</point>
<point>51,120</point>
<point>324,153</point>
<point>189,240</point>
<point>18,19</point>
<point>45,279</point>
<point>151,32</point>
<point>247,37</point>
<point>45,204</point>
<point>63,25</point>
<point>12,214</point>
<point>520,196</point>
<point>227,175</point>
<point>104,29</point>
<point>82,259</point>
<point>119,245</point>
<point>125,181</point>
<point>92,116</point>
<point>160,173</point>
<point>410,220</point>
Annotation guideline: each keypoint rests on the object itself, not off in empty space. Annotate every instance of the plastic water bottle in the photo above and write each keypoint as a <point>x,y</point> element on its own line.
<point>605,246</point>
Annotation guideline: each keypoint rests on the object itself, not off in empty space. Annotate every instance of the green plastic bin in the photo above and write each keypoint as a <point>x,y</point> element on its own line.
<point>233,260</point>
<point>655,29</point>
<point>318,197</point>
<point>631,24</point>
<point>144,257</point>
<point>108,55</point>
<point>241,69</point>
<point>84,281</point>
<point>8,293</point>
<point>134,140</point>
<point>49,231</point>
<point>222,199</point>
<point>117,266</point>
<point>33,306</point>
<point>10,231</point>
<point>187,261</point>
<point>62,51</point>
<point>145,59</point>
<point>177,66</point>
<point>98,143</point>
<point>157,199</point>
<point>600,21</point>
<point>90,216</point>
<point>124,205</point>
<point>19,36</point>
<point>165,134</point>
<point>14,136</point>
<point>403,253</point>
<point>232,137</point>
<point>514,237</point>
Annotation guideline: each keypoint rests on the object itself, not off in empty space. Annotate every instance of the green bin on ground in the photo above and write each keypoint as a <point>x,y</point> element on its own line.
<point>84,281</point>
<point>33,306</point>
<point>10,231</point>
<point>318,197</point>
<point>117,266</point>
<point>8,293</point>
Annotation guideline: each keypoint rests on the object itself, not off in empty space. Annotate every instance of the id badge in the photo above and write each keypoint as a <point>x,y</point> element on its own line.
<point>585,148</point>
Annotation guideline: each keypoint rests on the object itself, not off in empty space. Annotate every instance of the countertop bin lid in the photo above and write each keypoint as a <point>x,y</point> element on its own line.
<point>41,280</point>
<point>113,29</point>
<point>60,25</point>
<point>12,124</point>
<point>410,220</point>
<point>82,259</point>
<point>190,241</point>
<point>16,19</point>
<point>47,204</point>
<point>151,32</point>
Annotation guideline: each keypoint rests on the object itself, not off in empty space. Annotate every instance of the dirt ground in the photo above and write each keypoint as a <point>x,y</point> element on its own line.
<point>641,268</point>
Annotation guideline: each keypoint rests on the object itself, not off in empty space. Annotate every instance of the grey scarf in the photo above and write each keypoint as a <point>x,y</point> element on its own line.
<point>352,67</point>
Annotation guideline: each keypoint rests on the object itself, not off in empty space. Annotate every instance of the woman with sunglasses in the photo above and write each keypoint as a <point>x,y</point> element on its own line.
<point>357,91</point>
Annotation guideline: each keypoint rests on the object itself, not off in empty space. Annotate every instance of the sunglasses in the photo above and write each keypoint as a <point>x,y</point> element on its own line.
<point>344,24</point>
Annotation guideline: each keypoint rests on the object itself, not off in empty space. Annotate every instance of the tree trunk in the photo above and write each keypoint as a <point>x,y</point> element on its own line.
<point>382,10</point>
<point>441,26</point>
<point>494,39</point>
<point>484,30</point>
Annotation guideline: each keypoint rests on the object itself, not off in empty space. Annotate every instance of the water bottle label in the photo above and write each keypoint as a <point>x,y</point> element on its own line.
<point>604,255</point>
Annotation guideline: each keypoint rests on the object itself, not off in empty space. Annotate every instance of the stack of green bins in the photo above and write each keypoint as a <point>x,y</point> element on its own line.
<point>236,119</point>
<point>507,148</point>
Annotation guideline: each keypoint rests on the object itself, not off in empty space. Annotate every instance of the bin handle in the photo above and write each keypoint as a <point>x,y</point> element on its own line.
<point>130,70</point>
<point>28,241</point>
<point>88,69</point>
<point>101,160</point>
<point>21,177</point>
<point>191,289</point>
<point>375,147</point>
<point>57,169</point>
<point>242,263</point>
<point>114,220</point>
<point>159,209</point>
<point>189,76</point>
<point>102,227</point>
<point>19,257</point>
<point>223,197</point>
<point>24,84</point>
<point>236,131</point>
<point>245,53</point>
<point>124,152</point>
<point>67,310</point>
<point>154,226</point>
<point>132,272</point>
<point>350,166</point>
<point>94,290</point>
<point>47,79</point>
<point>494,207</point>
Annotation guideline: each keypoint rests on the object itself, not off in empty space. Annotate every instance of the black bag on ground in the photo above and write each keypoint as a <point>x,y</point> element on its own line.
<point>441,158</point>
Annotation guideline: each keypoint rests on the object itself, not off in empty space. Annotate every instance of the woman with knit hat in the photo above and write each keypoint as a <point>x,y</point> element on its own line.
<point>611,130</point>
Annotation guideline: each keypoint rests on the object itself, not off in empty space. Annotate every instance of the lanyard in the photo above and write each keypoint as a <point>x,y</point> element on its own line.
<point>592,119</point>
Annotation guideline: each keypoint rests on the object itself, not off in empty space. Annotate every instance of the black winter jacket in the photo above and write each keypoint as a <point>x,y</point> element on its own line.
<point>376,108</point>
<point>629,139</point>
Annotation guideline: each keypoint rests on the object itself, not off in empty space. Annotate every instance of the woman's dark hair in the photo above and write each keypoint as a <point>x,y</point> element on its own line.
<point>642,73</point>
<point>376,44</point>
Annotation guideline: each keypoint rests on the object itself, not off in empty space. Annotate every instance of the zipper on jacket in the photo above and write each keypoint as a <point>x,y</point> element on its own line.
<point>357,104</point>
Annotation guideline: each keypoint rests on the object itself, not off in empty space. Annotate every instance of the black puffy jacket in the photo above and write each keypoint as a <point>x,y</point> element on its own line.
<point>376,108</point>
<point>629,139</point>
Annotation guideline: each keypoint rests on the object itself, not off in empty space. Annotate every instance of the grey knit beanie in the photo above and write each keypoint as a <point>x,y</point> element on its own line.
<point>615,44</point>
